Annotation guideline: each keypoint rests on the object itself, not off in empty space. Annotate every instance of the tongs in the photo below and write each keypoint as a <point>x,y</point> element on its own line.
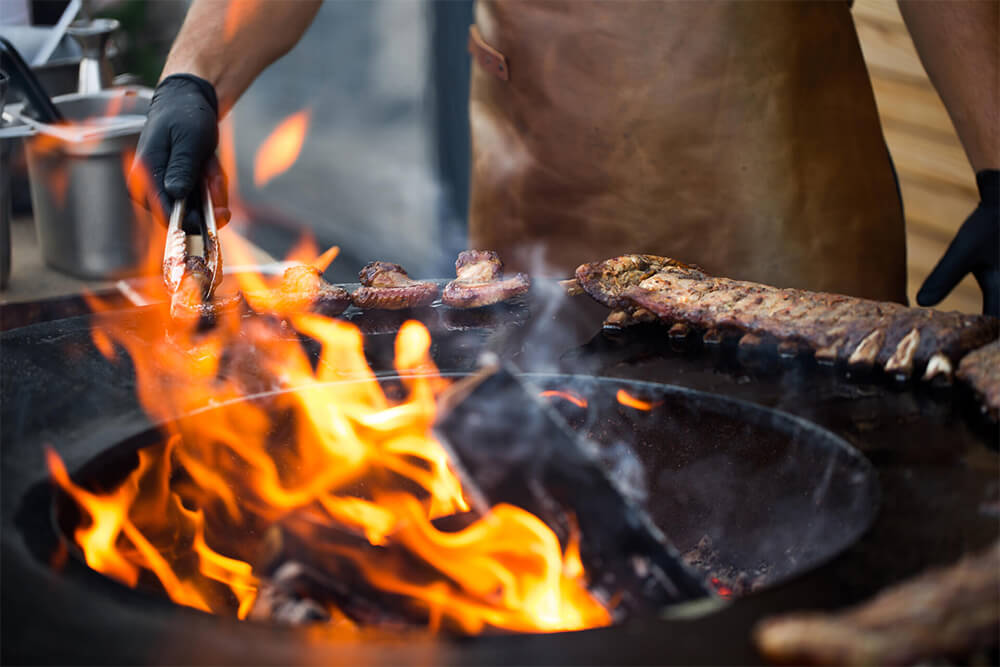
<point>176,255</point>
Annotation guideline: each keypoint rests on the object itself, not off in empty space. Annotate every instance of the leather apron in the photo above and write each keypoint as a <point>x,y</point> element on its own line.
<point>739,136</point>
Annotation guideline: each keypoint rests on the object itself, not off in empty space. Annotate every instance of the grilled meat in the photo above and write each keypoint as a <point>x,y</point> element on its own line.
<point>606,281</point>
<point>386,286</point>
<point>303,289</point>
<point>193,299</point>
<point>480,281</point>
<point>834,327</point>
<point>948,613</point>
<point>981,371</point>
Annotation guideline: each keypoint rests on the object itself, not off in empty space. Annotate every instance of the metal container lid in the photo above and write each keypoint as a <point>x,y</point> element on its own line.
<point>100,123</point>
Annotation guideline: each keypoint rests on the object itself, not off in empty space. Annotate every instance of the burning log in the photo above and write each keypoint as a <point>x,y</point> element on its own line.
<point>287,597</point>
<point>517,450</point>
<point>861,332</point>
<point>952,612</point>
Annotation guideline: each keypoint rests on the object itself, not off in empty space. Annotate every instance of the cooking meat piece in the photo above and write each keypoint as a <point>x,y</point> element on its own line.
<point>859,331</point>
<point>303,289</point>
<point>479,281</point>
<point>606,281</point>
<point>947,613</point>
<point>981,371</point>
<point>192,301</point>
<point>387,286</point>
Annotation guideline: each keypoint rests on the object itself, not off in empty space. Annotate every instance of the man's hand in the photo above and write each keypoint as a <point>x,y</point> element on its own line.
<point>176,152</point>
<point>975,250</point>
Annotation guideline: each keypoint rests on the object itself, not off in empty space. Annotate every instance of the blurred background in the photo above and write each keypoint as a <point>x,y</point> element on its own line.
<point>384,85</point>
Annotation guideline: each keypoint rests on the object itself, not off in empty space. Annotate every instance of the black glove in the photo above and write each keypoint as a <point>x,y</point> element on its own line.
<point>176,152</point>
<point>975,250</point>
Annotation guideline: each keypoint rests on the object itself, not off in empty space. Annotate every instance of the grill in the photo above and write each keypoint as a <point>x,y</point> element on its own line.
<point>778,493</point>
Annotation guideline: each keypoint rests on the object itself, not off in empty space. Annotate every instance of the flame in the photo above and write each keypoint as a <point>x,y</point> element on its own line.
<point>578,401</point>
<point>336,465</point>
<point>281,148</point>
<point>237,17</point>
<point>627,399</point>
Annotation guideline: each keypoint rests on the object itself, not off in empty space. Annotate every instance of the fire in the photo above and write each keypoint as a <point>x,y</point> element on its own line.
<point>631,401</point>
<point>335,472</point>
<point>578,401</point>
<point>721,588</point>
<point>281,148</point>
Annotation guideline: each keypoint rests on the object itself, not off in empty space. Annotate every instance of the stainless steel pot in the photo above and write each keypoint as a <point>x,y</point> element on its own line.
<point>4,193</point>
<point>87,225</point>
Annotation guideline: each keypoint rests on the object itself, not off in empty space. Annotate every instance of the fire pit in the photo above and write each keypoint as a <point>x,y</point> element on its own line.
<point>750,495</point>
<point>936,471</point>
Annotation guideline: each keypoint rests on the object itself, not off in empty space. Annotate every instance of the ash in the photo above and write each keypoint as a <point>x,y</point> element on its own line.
<point>727,580</point>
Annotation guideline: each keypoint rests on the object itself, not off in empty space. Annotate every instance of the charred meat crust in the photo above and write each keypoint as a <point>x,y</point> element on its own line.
<point>835,326</point>
<point>606,281</point>
<point>387,286</point>
<point>479,281</point>
<point>981,371</point>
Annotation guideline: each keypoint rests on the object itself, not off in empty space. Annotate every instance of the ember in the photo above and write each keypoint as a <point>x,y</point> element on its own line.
<point>335,469</point>
<point>576,400</point>
<point>631,401</point>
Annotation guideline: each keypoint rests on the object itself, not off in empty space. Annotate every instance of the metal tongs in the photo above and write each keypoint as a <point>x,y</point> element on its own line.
<point>176,252</point>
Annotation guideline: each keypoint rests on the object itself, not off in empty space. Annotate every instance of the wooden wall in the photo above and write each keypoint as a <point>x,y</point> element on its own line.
<point>938,185</point>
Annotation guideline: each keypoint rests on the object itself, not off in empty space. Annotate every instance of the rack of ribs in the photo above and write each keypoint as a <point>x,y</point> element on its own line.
<point>480,282</point>
<point>834,327</point>
<point>386,286</point>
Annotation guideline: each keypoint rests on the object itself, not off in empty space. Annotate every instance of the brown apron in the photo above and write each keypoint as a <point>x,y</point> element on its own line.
<point>740,136</point>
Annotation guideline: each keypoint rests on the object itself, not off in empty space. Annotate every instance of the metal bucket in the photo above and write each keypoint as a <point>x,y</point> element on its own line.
<point>87,225</point>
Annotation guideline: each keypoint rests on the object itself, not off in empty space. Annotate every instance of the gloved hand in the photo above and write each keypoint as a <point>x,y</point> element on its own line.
<point>176,152</point>
<point>975,250</point>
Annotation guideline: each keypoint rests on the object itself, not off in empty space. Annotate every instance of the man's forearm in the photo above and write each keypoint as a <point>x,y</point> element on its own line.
<point>229,42</point>
<point>958,45</point>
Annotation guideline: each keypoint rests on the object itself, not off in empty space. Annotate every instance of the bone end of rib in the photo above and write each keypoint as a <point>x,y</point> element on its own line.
<point>938,366</point>
<point>750,340</point>
<point>713,336</point>
<point>828,354</point>
<point>679,330</point>
<point>867,350</point>
<point>616,318</point>
<point>643,315</point>
<point>788,349</point>
<point>571,286</point>
<point>901,361</point>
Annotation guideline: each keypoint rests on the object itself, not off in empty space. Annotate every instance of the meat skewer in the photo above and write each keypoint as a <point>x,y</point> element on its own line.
<point>386,286</point>
<point>834,327</point>
<point>480,281</point>
<point>946,613</point>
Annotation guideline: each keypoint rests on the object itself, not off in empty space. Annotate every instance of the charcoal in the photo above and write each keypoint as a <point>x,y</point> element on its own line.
<point>513,448</point>
<point>284,597</point>
<point>300,593</point>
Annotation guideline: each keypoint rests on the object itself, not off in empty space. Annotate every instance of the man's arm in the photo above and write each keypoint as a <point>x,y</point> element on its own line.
<point>959,45</point>
<point>229,42</point>
<point>221,48</point>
